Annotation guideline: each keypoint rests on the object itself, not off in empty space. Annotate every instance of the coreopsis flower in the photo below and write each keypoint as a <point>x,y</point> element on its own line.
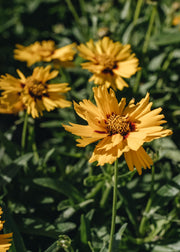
<point>45,51</point>
<point>33,92</point>
<point>119,128</point>
<point>109,62</point>
<point>5,239</point>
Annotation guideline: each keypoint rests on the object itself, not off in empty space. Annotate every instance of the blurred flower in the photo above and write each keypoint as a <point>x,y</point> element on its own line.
<point>10,100</point>
<point>103,31</point>
<point>33,93</point>
<point>5,239</point>
<point>5,109</point>
<point>176,6</point>
<point>176,20</point>
<point>109,61</point>
<point>121,129</point>
<point>44,51</point>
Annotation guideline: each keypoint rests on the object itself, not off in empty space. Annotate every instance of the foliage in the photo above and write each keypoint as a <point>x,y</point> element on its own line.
<point>54,199</point>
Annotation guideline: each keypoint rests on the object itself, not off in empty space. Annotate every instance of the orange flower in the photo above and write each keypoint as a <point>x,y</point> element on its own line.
<point>109,62</point>
<point>33,92</point>
<point>120,129</point>
<point>45,51</point>
<point>176,20</point>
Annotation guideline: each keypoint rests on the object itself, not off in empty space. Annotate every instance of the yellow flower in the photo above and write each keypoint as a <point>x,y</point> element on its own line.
<point>44,51</point>
<point>176,20</point>
<point>120,129</point>
<point>5,109</point>
<point>33,93</point>
<point>109,62</point>
<point>5,239</point>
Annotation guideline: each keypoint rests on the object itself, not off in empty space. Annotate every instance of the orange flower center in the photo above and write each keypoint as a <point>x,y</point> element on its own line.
<point>117,124</point>
<point>37,89</point>
<point>107,62</point>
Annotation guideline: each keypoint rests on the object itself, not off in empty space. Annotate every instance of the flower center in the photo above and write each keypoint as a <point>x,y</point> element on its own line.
<point>117,124</point>
<point>107,62</point>
<point>37,89</point>
<point>46,52</point>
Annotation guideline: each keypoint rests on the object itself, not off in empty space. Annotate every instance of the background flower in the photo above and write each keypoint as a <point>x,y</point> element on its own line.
<point>45,51</point>
<point>109,62</point>
<point>33,92</point>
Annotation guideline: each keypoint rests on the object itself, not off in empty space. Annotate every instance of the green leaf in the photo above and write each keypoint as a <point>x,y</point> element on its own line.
<point>165,194</point>
<point>53,248</point>
<point>84,229</point>
<point>10,171</point>
<point>60,186</point>
<point>167,38</point>
<point>174,247</point>
<point>23,160</point>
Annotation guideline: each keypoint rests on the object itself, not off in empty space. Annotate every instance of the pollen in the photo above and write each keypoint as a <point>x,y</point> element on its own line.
<point>107,62</point>
<point>37,89</point>
<point>117,124</point>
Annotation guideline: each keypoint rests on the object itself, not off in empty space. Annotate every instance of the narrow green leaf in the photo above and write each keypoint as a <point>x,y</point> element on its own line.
<point>60,186</point>
<point>84,229</point>
<point>167,38</point>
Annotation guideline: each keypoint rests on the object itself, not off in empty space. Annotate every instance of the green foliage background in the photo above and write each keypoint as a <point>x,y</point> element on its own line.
<point>52,191</point>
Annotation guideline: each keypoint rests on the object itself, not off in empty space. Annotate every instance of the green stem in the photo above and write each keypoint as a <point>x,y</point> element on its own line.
<point>145,47</point>
<point>105,196</point>
<point>114,206</point>
<point>73,11</point>
<point>137,11</point>
<point>164,68</point>
<point>31,140</point>
<point>137,82</point>
<point>82,6</point>
<point>24,131</point>
<point>148,206</point>
<point>150,27</point>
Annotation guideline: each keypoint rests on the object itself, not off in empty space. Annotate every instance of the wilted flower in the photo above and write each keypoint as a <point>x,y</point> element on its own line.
<point>5,239</point>
<point>44,51</point>
<point>109,62</point>
<point>33,92</point>
<point>121,129</point>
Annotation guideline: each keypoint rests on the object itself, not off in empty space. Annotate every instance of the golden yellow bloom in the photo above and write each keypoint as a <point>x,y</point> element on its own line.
<point>120,129</point>
<point>33,93</point>
<point>44,51</point>
<point>5,239</point>
<point>109,62</point>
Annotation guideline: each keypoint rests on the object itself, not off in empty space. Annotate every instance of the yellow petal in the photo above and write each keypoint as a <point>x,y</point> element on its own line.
<point>135,140</point>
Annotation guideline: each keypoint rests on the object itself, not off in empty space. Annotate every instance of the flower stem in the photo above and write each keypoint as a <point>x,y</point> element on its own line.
<point>145,47</point>
<point>148,34</point>
<point>137,11</point>
<point>73,11</point>
<point>24,131</point>
<point>31,140</point>
<point>114,206</point>
<point>148,206</point>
